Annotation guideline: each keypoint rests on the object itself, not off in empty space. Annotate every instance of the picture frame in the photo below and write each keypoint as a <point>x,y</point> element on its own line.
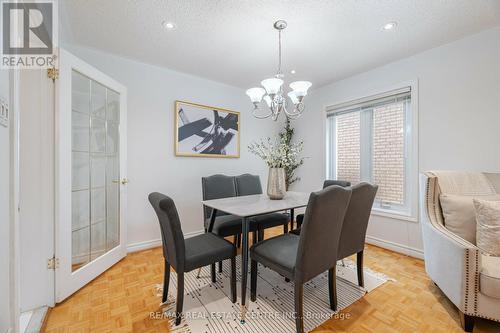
<point>206,131</point>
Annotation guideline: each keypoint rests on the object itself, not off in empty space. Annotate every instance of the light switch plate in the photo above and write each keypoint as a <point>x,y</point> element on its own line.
<point>4,113</point>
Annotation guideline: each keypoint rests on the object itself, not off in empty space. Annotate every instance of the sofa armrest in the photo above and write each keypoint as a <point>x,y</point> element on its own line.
<point>450,261</point>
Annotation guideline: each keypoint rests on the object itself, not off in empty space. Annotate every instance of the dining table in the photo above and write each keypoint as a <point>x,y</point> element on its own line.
<point>247,207</point>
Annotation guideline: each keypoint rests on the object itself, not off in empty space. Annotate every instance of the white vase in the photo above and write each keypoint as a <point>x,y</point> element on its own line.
<point>276,186</point>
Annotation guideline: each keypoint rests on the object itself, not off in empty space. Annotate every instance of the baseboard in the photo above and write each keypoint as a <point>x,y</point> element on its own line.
<point>400,248</point>
<point>193,233</point>
<point>145,245</point>
<point>37,320</point>
<point>149,244</point>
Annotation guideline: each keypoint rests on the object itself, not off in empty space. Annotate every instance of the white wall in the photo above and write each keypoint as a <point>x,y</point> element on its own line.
<point>4,212</point>
<point>459,117</point>
<point>152,165</point>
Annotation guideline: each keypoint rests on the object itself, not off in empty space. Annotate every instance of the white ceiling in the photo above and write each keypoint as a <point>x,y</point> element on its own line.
<point>233,41</point>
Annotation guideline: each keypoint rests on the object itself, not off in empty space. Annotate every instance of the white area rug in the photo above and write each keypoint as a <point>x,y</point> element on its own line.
<point>207,308</point>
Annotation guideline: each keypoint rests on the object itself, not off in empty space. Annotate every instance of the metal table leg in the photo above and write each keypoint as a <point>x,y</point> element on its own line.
<point>244,267</point>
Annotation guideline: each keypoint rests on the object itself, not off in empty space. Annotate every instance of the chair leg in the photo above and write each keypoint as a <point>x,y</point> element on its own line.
<point>233,279</point>
<point>220,266</point>
<point>253,280</point>
<point>299,316</point>
<point>359,264</point>
<point>254,237</point>
<point>212,273</point>
<point>166,282</point>
<point>238,241</point>
<point>332,287</point>
<point>180,297</point>
<point>467,322</point>
<point>285,228</point>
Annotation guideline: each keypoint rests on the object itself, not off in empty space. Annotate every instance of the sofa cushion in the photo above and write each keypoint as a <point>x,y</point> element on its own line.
<point>488,226</point>
<point>494,178</point>
<point>489,279</point>
<point>459,214</point>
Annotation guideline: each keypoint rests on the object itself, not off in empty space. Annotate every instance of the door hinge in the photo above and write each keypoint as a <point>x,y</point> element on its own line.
<point>53,73</point>
<point>53,263</point>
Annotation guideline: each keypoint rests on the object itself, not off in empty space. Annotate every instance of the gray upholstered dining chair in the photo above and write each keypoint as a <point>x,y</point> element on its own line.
<point>185,255</point>
<point>247,184</point>
<point>218,187</point>
<point>302,257</point>
<point>352,237</point>
<point>326,183</point>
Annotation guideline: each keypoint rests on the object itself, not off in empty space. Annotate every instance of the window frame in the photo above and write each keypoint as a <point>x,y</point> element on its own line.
<point>409,211</point>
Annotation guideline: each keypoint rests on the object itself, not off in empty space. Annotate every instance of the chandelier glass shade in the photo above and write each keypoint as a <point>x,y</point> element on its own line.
<point>272,92</point>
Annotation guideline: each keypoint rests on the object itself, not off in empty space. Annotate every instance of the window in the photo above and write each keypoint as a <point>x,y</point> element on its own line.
<point>370,140</point>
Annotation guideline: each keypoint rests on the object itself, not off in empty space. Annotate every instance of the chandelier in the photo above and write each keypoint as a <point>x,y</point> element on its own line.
<point>273,93</point>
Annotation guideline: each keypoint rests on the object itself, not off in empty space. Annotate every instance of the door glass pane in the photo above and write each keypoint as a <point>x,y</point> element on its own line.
<point>80,204</point>
<point>113,110</point>
<point>80,173</point>
<point>98,170</point>
<point>98,136</point>
<point>98,239</point>
<point>112,139</point>
<point>98,100</point>
<point>95,170</point>
<point>97,206</point>
<point>80,93</point>
<point>80,131</point>
<point>81,247</point>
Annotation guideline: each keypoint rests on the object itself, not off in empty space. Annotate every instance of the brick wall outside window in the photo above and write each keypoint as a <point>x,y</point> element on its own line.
<point>388,153</point>
<point>348,147</point>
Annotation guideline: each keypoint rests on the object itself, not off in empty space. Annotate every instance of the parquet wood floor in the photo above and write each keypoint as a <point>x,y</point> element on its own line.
<point>121,299</point>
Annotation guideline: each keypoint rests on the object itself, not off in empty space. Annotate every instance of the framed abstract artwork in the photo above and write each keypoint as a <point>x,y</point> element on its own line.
<point>206,131</point>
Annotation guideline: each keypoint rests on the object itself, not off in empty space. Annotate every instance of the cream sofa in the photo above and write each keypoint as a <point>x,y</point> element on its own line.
<point>469,279</point>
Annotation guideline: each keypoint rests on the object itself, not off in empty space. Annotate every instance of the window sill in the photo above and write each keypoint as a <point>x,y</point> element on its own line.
<point>394,215</point>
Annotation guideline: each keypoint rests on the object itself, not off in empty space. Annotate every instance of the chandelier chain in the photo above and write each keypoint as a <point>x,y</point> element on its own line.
<point>279,53</point>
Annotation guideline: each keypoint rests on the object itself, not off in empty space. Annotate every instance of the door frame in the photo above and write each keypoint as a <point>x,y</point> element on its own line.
<point>66,281</point>
<point>16,94</point>
<point>15,264</point>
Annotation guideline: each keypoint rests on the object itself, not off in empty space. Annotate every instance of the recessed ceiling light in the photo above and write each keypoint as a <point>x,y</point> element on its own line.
<point>168,25</point>
<point>293,71</point>
<point>389,26</point>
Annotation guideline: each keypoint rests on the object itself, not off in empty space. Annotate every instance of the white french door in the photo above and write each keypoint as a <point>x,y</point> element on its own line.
<point>91,121</point>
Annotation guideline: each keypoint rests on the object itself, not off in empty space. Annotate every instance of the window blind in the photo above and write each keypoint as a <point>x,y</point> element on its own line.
<point>369,102</point>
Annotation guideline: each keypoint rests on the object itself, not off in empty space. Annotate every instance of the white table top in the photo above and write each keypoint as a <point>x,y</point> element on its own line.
<point>251,205</point>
